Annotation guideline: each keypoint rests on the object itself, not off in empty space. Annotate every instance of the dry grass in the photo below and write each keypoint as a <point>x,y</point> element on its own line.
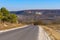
<point>51,30</point>
<point>4,26</point>
<point>55,27</point>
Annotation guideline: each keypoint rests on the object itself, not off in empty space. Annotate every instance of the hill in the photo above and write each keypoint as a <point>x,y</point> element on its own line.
<point>46,15</point>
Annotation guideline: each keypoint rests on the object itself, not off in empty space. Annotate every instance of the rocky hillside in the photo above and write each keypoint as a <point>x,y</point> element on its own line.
<point>45,15</point>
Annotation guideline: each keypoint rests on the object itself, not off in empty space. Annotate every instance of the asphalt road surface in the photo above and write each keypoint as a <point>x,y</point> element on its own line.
<point>30,32</point>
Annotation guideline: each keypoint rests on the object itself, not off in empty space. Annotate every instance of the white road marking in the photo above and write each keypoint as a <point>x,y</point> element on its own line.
<point>1,31</point>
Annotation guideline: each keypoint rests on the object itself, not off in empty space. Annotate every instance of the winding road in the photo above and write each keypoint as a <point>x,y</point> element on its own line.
<point>30,32</point>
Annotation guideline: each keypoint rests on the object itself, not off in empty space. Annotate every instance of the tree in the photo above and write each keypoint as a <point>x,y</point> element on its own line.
<point>4,11</point>
<point>13,18</point>
<point>5,16</point>
<point>1,16</point>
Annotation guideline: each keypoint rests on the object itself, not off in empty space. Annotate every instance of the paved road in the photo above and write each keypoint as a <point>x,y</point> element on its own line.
<point>28,33</point>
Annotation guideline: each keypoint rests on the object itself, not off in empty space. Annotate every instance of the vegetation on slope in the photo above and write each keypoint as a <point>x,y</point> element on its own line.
<point>5,16</point>
<point>7,20</point>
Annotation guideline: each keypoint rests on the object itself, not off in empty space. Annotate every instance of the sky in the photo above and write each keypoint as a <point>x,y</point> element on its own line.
<point>15,5</point>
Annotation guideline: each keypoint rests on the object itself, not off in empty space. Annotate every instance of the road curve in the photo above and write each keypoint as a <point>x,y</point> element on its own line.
<point>30,32</point>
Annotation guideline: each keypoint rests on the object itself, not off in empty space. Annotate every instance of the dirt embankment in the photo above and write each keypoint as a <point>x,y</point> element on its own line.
<point>4,26</point>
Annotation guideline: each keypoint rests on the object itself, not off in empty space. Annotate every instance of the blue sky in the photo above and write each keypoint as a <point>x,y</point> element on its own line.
<point>15,5</point>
